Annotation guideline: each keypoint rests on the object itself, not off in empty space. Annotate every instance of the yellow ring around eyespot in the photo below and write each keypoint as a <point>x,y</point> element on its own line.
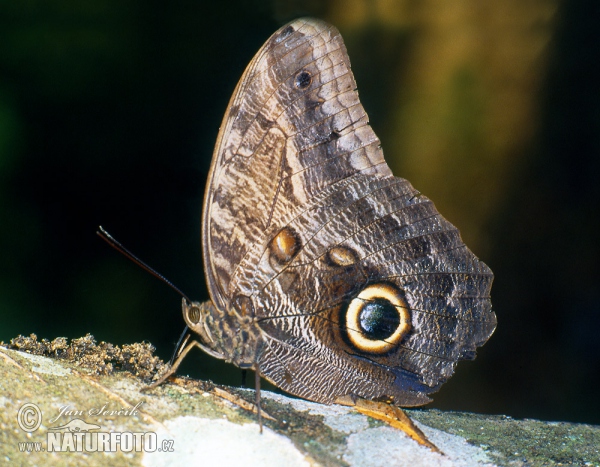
<point>372,292</point>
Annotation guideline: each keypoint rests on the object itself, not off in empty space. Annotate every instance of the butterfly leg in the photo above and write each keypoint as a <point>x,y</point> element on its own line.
<point>187,343</point>
<point>257,400</point>
<point>183,347</point>
<point>393,416</point>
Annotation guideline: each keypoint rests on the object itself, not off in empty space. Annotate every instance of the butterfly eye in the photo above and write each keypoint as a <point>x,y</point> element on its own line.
<point>377,319</point>
<point>193,313</point>
<point>303,79</point>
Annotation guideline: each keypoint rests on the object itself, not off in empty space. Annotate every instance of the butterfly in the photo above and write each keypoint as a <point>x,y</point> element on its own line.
<point>328,276</point>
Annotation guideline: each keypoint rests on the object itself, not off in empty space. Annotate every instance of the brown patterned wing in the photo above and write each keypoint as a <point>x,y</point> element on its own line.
<point>381,237</point>
<point>359,285</point>
<point>294,126</point>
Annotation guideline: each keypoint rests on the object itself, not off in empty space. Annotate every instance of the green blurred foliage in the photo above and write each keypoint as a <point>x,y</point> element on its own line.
<point>109,112</point>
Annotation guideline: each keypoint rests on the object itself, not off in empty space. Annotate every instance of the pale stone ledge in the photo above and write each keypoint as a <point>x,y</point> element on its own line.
<point>196,427</point>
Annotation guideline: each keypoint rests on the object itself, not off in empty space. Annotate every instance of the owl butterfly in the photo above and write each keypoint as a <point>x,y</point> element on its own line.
<point>330,277</point>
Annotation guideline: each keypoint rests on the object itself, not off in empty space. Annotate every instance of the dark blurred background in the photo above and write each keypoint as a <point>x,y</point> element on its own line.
<point>108,115</point>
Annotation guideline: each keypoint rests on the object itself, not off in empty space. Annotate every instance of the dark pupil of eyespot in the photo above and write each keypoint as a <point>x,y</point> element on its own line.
<point>303,79</point>
<point>378,320</point>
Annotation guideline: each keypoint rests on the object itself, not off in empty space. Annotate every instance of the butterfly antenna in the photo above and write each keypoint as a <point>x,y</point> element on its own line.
<point>108,238</point>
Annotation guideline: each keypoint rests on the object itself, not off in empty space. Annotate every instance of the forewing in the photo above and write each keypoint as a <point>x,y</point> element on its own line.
<point>294,127</point>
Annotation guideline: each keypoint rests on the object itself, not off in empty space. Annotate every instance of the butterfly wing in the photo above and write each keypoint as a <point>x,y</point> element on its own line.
<point>285,137</point>
<point>306,228</point>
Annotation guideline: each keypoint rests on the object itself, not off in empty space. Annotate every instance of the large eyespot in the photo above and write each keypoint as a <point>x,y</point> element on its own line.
<point>377,318</point>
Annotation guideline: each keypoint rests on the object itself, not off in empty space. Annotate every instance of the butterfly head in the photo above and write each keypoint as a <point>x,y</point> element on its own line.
<point>225,335</point>
<point>197,316</point>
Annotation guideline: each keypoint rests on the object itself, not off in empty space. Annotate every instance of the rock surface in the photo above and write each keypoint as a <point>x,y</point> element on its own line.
<point>186,423</point>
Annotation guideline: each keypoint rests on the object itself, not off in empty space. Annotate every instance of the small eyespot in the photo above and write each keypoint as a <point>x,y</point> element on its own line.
<point>284,245</point>
<point>303,80</point>
<point>287,32</point>
<point>194,314</point>
<point>377,319</point>
<point>341,256</point>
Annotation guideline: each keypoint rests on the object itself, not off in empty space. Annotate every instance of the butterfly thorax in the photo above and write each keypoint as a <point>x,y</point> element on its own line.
<point>231,335</point>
